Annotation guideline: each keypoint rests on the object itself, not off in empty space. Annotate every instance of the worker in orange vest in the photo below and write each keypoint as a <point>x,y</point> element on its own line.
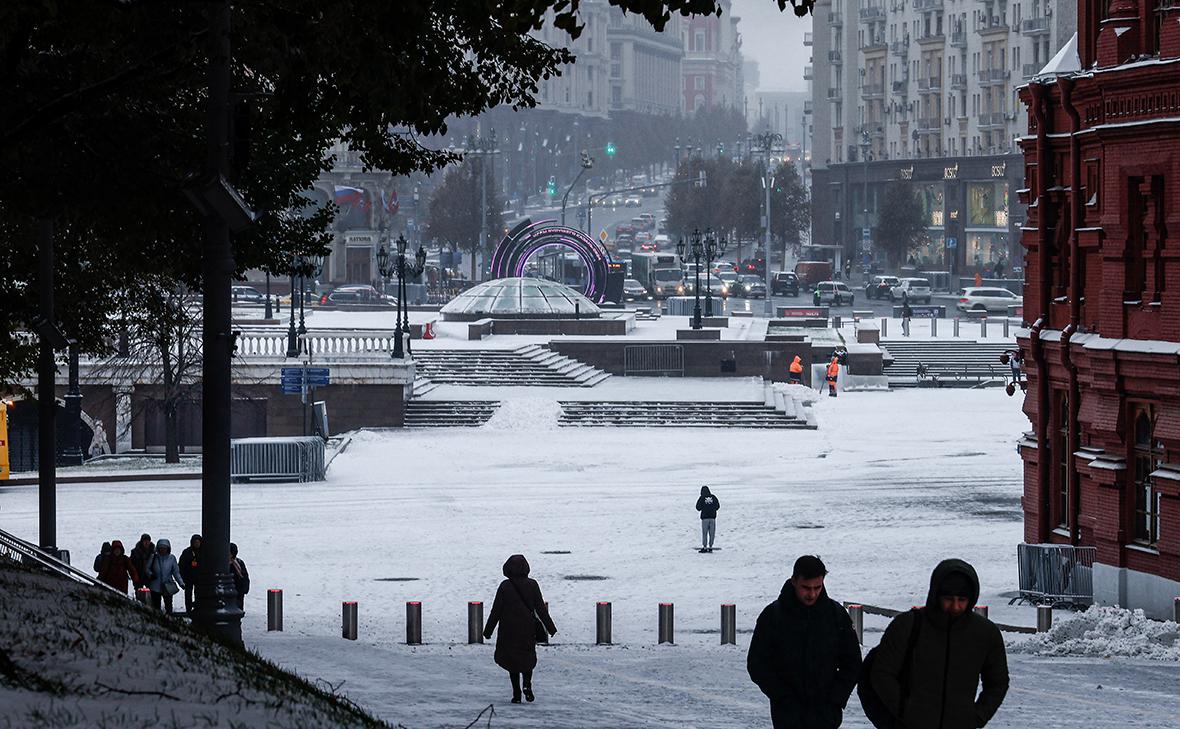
<point>796,376</point>
<point>833,374</point>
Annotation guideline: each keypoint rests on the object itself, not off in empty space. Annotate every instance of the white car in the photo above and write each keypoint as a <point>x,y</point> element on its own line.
<point>983,299</point>
<point>633,201</point>
<point>832,293</point>
<point>913,289</point>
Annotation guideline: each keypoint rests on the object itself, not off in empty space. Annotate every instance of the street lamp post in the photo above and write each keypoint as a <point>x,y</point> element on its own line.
<point>696,250</point>
<point>865,236</point>
<point>292,335</point>
<point>387,267</point>
<point>72,452</point>
<point>766,142</point>
<point>396,265</point>
<point>408,271</point>
<point>714,249</point>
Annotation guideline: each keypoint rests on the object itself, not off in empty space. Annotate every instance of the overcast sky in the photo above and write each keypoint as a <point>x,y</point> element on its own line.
<point>775,40</point>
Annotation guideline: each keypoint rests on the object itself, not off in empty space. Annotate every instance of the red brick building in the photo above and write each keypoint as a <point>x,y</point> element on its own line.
<point>1102,297</point>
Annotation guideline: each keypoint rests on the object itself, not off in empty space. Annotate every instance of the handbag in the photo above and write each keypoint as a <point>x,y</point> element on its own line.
<point>875,710</point>
<point>540,635</point>
<point>171,587</point>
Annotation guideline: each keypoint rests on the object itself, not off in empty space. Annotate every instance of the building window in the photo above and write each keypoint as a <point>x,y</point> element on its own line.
<point>1149,453</point>
<point>1063,455</point>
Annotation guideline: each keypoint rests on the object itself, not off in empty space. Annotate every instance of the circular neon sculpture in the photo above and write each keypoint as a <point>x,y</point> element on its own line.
<point>514,251</point>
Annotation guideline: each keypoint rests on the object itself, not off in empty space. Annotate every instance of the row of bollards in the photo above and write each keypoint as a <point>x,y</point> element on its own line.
<point>602,619</point>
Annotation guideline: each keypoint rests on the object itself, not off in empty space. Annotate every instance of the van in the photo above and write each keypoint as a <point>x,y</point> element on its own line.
<point>812,272</point>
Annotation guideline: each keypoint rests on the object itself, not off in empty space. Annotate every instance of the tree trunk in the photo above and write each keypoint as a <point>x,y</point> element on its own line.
<point>171,441</point>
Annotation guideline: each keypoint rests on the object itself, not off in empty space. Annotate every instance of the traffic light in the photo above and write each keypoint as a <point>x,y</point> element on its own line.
<point>552,186</point>
<point>610,149</point>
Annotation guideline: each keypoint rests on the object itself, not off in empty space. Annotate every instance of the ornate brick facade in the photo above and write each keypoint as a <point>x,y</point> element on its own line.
<point>1102,296</point>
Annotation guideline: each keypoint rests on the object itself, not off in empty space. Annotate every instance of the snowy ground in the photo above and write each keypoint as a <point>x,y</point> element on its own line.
<point>890,484</point>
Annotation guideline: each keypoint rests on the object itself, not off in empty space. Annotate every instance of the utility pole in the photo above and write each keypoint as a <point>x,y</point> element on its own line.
<point>46,398</point>
<point>766,142</point>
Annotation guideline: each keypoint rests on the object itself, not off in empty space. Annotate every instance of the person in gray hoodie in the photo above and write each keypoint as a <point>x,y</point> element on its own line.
<point>162,572</point>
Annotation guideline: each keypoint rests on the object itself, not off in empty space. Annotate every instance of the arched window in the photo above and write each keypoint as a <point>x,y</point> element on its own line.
<point>1149,452</point>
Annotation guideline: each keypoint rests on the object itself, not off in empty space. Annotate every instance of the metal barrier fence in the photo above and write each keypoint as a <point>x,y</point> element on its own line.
<point>23,553</point>
<point>297,458</point>
<point>1056,574</point>
<point>653,359</point>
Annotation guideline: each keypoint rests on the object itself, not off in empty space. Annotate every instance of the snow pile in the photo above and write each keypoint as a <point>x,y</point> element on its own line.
<point>73,655</point>
<point>525,413</point>
<point>1105,632</point>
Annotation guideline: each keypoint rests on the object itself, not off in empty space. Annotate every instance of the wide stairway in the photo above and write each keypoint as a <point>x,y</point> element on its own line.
<point>534,365</point>
<point>951,364</point>
<point>674,414</point>
<point>449,413</point>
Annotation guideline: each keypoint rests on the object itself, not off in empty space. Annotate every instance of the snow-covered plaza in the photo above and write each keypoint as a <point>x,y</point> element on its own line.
<point>890,484</point>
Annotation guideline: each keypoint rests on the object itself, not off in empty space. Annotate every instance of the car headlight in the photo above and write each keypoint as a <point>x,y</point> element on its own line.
<point>659,289</point>
<point>680,289</point>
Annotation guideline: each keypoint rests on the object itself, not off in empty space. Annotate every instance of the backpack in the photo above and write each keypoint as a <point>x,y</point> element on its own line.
<point>874,708</point>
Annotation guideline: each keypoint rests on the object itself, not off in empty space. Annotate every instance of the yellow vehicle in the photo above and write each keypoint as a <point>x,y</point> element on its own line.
<point>4,440</point>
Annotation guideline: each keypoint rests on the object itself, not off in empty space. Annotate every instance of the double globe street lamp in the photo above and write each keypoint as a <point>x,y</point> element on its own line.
<point>397,265</point>
<point>303,267</point>
<point>708,247</point>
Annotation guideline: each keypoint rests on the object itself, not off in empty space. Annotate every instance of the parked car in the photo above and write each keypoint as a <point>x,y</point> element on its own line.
<point>833,293</point>
<point>751,287</point>
<point>913,289</point>
<point>880,287</point>
<point>984,299</point>
<point>356,295</point>
<point>784,283</point>
<point>633,290</point>
<point>633,201</point>
<point>246,294</point>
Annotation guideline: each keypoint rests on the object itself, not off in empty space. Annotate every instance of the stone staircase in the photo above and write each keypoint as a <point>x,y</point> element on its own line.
<point>951,364</point>
<point>534,365</point>
<point>449,413</point>
<point>675,414</point>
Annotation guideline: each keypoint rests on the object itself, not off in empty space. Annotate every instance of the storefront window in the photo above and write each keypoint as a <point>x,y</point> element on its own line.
<point>933,204</point>
<point>929,255</point>
<point>985,250</point>
<point>987,204</point>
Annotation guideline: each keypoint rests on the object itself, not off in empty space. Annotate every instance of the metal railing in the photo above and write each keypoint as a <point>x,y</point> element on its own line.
<point>1056,574</point>
<point>835,57</point>
<point>959,39</point>
<point>994,75</point>
<point>958,81</point>
<point>1034,26</point>
<point>298,458</point>
<point>23,553</point>
<point>652,359</point>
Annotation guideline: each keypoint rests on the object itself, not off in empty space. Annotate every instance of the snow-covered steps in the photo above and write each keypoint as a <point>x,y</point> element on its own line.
<point>676,414</point>
<point>530,366</point>
<point>423,385</point>
<point>964,363</point>
<point>449,413</point>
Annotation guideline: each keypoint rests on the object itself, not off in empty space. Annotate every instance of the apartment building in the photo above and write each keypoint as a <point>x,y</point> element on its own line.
<point>583,87</point>
<point>645,65</point>
<point>926,90</point>
<point>712,70</point>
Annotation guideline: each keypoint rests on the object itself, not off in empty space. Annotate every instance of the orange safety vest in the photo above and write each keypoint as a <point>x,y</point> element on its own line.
<point>796,367</point>
<point>834,368</point>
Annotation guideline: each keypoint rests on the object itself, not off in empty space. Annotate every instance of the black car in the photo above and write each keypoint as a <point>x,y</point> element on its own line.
<point>880,287</point>
<point>784,283</point>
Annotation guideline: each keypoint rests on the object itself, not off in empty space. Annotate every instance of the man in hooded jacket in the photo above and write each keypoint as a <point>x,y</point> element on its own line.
<point>708,504</point>
<point>804,654</point>
<point>955,651</point>
<point>141,553</point>
<point>795,376</point>
<point>117,567</point>
<point>190,564</point>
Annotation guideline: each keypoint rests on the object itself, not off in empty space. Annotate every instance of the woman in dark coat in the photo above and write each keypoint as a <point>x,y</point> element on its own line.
<point>117,567</point>
<point>516,608</point>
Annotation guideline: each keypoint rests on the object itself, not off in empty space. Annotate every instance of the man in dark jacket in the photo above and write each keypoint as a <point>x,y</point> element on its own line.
<point>189,565</point>
<point>804,654</point>
<point>708,505</point>
<point>955,651</point>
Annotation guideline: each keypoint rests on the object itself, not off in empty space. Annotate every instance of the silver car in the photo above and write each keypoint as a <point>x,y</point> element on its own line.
<point>913,289</point>
<point>983,299</point>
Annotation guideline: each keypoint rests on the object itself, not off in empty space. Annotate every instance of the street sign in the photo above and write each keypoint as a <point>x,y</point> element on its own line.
<point>316,376</point>
<point>291,389</point>
<point>952,242</point>
<point>603,236</point>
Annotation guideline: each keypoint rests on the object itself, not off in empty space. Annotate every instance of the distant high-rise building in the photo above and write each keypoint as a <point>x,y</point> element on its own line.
<point>712,66</point>
<point>582,87</point>
<point>925,90</point>
<point>644,64</point>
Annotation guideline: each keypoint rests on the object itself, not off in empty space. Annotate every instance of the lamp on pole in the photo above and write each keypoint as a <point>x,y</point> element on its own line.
<point>766,142</point>
<point>387,267</point>
<point>695,251</point>
<point>408,271</point>
<point>395,264</point>
<point>866,239</point>
<point>714,249</point>
<point>292,335</point>
<point>269,313</point>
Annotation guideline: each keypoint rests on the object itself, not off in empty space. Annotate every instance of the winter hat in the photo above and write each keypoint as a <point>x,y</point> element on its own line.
<point>956,584</point>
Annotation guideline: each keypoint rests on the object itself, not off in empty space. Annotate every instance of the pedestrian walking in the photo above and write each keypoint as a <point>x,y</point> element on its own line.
<point>140,554</point>
<point>907,312</point>
<point>708,504</point>
<point>795,376</point>
<point>117,567</point>
<point>163,576</point>
<point>932,660</point>
<point>523,618</point>
<point>241,575</point>
<point>190,563</point>
<point>833,374</point>
<point>804,654</point>
<point>100,558</point>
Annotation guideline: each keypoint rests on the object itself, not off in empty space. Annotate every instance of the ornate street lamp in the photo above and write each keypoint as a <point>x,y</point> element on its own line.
<point>396,265</point>
<point>292,335</point>
<point>408,271</point>
<point>714,249</point>
<point>696,249</point>
<point>387,267</point>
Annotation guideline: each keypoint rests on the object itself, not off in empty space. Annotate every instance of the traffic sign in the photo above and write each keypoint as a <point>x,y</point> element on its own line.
<point>291,389</point>
<point>952,242</point>
<point>602,236</point>
<point>315,376</point>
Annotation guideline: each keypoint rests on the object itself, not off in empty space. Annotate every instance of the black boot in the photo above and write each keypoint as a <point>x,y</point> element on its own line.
<point>515,677</point>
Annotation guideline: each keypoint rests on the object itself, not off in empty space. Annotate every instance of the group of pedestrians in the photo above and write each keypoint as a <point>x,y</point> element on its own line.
<point>152,565</point>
